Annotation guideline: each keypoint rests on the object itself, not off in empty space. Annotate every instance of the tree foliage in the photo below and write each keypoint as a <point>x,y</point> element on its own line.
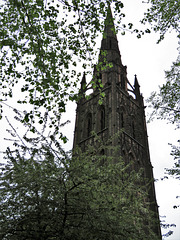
<point>163,15</point>
<point>47,194</point>
<point>166,103</point>
<point>43,43</point>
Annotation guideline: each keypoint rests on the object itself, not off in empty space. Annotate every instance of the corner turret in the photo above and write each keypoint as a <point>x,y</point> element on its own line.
<point>83,87</point>
<point>136,88</point>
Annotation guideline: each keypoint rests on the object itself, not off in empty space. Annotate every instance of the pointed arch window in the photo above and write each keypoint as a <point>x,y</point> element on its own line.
<point>89,124</point>
<point>133,130</point>
<point>102,118</point>
<point>121,120</point>
<point>122,81</point>
<point>110,44</point>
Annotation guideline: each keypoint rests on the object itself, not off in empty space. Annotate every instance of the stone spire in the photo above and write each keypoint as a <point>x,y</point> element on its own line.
<point>110,54</point>
<point>109,41</point>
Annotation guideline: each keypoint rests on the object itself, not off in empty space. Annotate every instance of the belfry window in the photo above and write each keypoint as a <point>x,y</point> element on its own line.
<point>102,118</point>
<point>122,81</point>
<point>121,120</point>
<point>89,124</point>
<point>133,130</point>
<point>110,44</point>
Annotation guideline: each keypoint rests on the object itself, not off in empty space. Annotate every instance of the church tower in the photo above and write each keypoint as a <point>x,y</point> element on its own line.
<point>122,110</point>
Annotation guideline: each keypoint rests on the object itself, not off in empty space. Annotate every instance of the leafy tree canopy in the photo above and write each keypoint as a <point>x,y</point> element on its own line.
<point>41,43</point>
<point>47,194</point>
<point>163,15</point>
<point>166,103</point>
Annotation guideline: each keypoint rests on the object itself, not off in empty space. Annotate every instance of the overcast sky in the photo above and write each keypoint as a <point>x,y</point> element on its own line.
<point>148,60</point>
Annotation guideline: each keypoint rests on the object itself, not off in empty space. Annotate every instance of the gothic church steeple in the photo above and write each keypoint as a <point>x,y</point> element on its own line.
<point>122,111</point>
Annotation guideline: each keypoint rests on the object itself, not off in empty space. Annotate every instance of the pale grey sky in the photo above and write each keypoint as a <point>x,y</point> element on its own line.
<point>148,60</point>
